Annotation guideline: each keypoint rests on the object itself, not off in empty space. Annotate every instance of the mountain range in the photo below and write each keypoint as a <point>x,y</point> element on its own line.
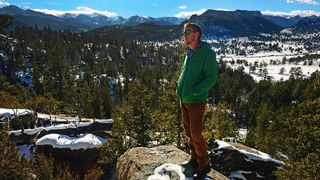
<point>78,23</point>
<point>214,23</point>
<point>308,25</point>
<point>234,23</point>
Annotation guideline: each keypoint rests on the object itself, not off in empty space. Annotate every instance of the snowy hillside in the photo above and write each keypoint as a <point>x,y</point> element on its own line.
<point>273,57</point>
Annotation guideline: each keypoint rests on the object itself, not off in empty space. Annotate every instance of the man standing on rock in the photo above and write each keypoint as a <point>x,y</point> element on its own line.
<point>198,76</point>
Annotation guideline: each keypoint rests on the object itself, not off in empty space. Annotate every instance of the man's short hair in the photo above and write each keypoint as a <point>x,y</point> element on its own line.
<point>194,27</point>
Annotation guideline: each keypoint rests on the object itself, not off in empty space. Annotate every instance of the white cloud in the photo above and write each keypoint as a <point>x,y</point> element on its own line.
<point>3,3</point>
<point>312,2</point>
<point>292,13</point>
<point>80,10</point>
<point>183,7</point>
<point>52,12</point>
<point>188,14</point>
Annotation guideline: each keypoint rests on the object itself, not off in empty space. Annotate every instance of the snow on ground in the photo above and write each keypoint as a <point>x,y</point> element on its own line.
<point>26,150</point>
<point>84,141</point>
<point>273,70</point>
<point>25,77</point>
<point>239,174</point>
<point>285,48</point>
<point>258,155</point>
<point>242,133</point>
<point>19,112</point>
<point>162,172</point>
<point>9,113</point>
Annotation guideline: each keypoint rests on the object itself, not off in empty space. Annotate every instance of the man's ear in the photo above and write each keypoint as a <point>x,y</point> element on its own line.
<point>197,35</point>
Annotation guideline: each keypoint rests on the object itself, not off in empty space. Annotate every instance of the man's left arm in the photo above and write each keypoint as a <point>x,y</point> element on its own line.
<point>210,75</point>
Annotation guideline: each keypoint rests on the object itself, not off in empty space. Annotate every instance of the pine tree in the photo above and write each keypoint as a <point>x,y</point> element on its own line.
<point>68,94</point>
<point>264,118</point>
<point>118,96</point>
<point>106,99</point>
<point>306,168</point>
<point>8,100</point>
<point>2,66</point>
<point>250,138</point>
<point>97,102</point>
<point>140,101</point>
<point>222,123</point>
<point>36,75</point>
<point>133,122</point>
<point>5,21</point>
<point>56,71</point>
<point>300,141</point>
<point>11,67</point>
<point>86,100</point>
<point>168,123</point>
<point>312,90</point>
<point>296,72</point>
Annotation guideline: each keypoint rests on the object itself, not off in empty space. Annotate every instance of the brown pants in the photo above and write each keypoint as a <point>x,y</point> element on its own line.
<point>193,123</point>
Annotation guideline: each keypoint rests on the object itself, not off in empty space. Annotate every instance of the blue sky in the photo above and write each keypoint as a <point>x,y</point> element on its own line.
<point>165,8</point>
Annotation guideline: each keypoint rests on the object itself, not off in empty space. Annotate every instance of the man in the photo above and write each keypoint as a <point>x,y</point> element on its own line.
<point>198,76</point>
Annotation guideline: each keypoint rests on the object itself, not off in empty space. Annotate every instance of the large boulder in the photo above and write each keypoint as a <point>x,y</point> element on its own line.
<point>83,146</point>
<point>141,162</point>
<point>241,162</point>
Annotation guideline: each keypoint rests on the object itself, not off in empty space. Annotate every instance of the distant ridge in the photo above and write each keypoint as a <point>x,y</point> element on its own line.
<point>143,32</point>
<point>214,23</point>
<point>283,21</point>
<point>234,23</point>
<point>308,25</point>
<point>78,23</point>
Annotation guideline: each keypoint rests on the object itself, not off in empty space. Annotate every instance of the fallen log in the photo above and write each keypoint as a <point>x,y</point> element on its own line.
<point>99,127</point>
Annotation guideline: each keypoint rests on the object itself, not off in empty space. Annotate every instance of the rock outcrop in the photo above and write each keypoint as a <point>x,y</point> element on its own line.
<point>141,162</point>
<point>242,162</point>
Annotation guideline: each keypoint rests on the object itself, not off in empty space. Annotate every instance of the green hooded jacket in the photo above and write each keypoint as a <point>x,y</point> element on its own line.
<point>198,75</point>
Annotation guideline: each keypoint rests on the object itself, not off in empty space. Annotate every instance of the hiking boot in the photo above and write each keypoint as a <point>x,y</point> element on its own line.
<point>189,168</point>
<point>202,172</point>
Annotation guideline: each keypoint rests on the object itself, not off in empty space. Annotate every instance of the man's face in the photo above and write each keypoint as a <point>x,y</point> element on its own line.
<point>188,35</point>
